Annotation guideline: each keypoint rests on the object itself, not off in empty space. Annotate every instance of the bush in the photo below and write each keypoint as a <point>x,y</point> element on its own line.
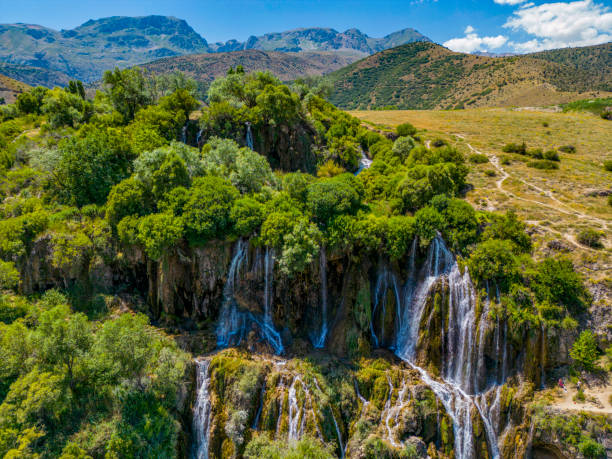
<point>584,351</point>
<point>551,155</point>
<point>543,164</point>
<point>521,148</point>
<point>494,260</point>
<point>536,153</point>
<point>506,161</point>
<point>608,165</point>
<point>591,449</point>
<point>489,173</point>
<point>590,238</point>
<point>478,158</point>
<point>405,129</point>
<point>567,149</point>
<point>9,276</point>
<point>438,143</point>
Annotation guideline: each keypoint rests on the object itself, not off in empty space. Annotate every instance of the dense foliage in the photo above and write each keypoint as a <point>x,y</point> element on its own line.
<point>96,182</point>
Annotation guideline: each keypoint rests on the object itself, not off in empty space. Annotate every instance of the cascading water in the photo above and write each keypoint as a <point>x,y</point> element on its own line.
<point>385,280</point>
<point>199,137</point>
<point>364,163</point>
<point>319,341</point>
<point>202,411</point>
<point>184,133</point>
<point>249,136</point>
<point>458,367</point>
<point>235,323</point>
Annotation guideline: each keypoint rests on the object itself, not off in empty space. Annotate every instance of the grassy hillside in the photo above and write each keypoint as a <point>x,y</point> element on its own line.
<point>10,89</point>
<point>204,68</point>
<point>558,204</point>
<point>426,75</point>
<point>34,76</point>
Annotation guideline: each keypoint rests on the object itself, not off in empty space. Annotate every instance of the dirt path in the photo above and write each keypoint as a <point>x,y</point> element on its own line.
<point>564,400</point>
<point>559,207</point>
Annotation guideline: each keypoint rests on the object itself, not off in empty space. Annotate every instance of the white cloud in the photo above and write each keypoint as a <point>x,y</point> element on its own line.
<point>563,24</point>
<point>473,42</point>
<point>509,2</point>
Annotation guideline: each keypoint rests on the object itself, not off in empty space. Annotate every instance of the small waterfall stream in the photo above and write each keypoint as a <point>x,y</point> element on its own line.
<point>319,341</point>
<point>234,323</point>
<point>364,163</point>
<point>249,136</point>
<point>202,411</point>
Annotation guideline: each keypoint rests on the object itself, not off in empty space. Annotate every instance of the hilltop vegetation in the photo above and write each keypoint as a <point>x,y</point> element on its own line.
<point>425,76</point>
<point>10,89</point>
<point>140,206</point>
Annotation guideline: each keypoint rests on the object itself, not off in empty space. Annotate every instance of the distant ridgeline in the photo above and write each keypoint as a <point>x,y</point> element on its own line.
<point>427,76</point>
<point>85,52</point>
<point>338,296</point>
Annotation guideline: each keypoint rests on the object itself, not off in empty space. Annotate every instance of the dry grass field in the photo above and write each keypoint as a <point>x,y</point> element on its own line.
<point>558,204</point>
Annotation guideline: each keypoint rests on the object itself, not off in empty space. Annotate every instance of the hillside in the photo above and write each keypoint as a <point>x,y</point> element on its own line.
<point>204,68</point>
<point>426,75</point>
<point>34,76</point>
<point>322,39</point>
<point>125,41</point>
<point>10,89</point>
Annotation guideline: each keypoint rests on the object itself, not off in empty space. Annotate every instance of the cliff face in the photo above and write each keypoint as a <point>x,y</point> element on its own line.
<point>453,376</point>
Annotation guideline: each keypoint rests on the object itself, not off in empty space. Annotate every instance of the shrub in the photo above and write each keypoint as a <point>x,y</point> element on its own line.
<point>506,161</point>
<point>567,149</point>
<point>489,173</point>
<point>584,351</point>
<point>608,165</point>
<point>591,449</point>
<point>536,153</point>
<point>438,143</point>
<point>494,260</point>
<point>405,129</point>
<point>590,238</point>
<point>159,232</point>
<point>521,148</point>
<point>478,158</point>
<point>9,276</point>
<point>610,200</point>
<point>543,164</point>
<point>551,155</point>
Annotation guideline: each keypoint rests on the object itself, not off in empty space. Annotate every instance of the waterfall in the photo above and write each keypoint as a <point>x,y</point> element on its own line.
<point>262,396</point>
<point>391,413</point>
<point>202,411</point>
<point>294,410</point>
<point>249,136</point>
<point>364,163</point>
<point>319,342</point>
<point>199,137</point>
<point>342,449</point>
<point>235,323</point>
<point>459,371</point>
<point>385,280</point>
<point>184,132</point>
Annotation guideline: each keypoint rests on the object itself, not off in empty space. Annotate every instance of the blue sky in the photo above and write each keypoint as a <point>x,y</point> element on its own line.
<point>463,25</point>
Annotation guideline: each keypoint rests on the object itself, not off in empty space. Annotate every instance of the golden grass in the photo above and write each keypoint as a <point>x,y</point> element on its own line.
<point>556,203</point>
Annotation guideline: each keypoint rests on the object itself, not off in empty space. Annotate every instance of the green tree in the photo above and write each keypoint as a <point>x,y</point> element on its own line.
<point>247,215</point>
<point>300,247</point>
<point>405,129</point>
<point>207,211</point>
<point>129,90</point>
<point>584,351</point>
<point>65,109</point>
<point>494,260</point>
<point>328,198</point>
<point>90,165</point>
<point>125,199</point>
<point>159,232</point>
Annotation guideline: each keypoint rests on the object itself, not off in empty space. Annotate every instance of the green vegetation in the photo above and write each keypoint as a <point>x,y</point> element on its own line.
<point>599,107</point>
<point>590,238</point>
<point>584,351</point>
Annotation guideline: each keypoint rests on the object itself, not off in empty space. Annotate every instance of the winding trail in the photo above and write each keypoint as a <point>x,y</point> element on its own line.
<point>561,207</point>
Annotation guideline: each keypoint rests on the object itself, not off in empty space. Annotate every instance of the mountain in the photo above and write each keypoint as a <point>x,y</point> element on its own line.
<point>425,75</point>
<point>10,89</point>
<point>322,39</point>
<point>204,68</point>
<point>88,50</point>
<point>34,76</point>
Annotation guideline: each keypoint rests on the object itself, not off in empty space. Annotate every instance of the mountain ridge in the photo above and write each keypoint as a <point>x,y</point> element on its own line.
<point>86,51</point>
<point>428,76</point>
